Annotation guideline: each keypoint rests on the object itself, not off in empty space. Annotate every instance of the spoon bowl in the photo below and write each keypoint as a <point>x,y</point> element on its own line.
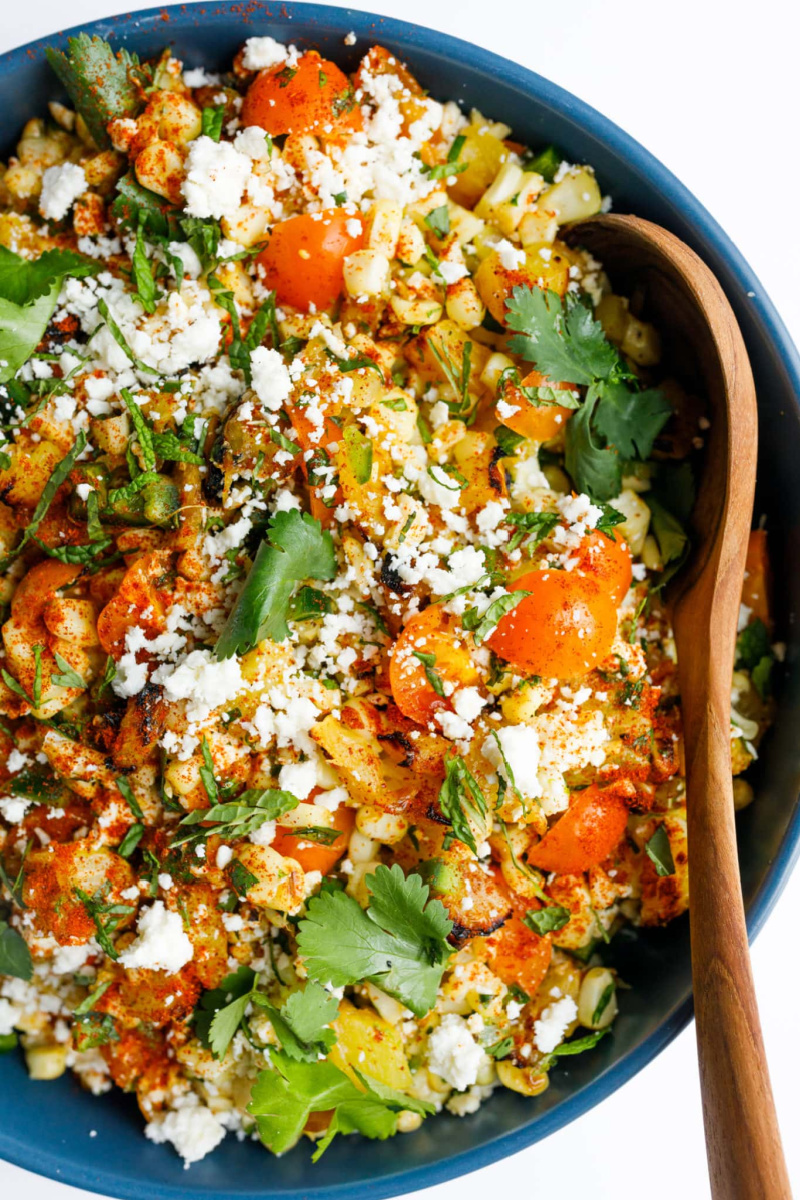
<point>683,296</point>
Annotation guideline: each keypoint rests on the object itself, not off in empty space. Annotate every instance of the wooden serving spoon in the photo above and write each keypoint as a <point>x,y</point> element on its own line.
<point>742,1137</point>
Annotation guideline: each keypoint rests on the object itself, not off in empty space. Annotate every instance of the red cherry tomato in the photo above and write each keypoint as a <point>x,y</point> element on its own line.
<point>310,855</point>
<point>312,97</point>
<point>436,632</point>
<point>587,833</point>
<point>304,259</point>
<point>563,629</point>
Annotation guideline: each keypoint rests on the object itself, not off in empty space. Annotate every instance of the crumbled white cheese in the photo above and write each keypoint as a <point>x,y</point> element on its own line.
<point>161,943</point>
<point>453,1053</point>
<point>551,1026</point>
<point>216,176</point>
<point>202,681</point>
<point>61,187</point>
<point>299,778</point>
<point>519,746</point>
<point>194,1131</point>
<point>13,808</point>
<point>271,380</point>
<point>262,52</point>
<point>511,258</point>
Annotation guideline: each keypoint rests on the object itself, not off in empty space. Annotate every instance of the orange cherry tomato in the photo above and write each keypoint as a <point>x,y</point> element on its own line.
<point>519,955</point>
<point>538,423</point>
<point>587,833</point>
<point>136,602</point>
<point>756,586</point>
<point>436,632</point>
<point>312,97</point>
<point>563,629</point>
<point>310,855</point>
<point>606,561</point>
<point>309,437</point>
<point>304,259</point>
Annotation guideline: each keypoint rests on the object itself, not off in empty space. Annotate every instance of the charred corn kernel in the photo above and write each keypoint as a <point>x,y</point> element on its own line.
<point>384,827</point>
<point>23,182</point>
<point>537,227</point>
<point>742,794</point>
<point>385,222</point>
<point>111,433</point>
<point>464,305</point>
<point>183,777</point>
<point>410,244</point>
<point>597,999</point>
<point>521,705</point>
<point>361,849</point>
<point>416,310</point>
<point>573,198</point>
<point>641,342</point>
<point>528,1081</point>
<point>159,166</point>
<point>366,273</point>
<point>46,1062</point>
<point>102,170</point>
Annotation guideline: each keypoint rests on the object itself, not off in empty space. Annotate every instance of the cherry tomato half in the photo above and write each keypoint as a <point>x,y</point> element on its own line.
<point>304,259</point>
<point>606,561</point>
<point>562,629</point>
<point>587,833</point>
<point>312,96</point>
<point>542,422</point>
<point>310,855</point>
<point>438,633</point>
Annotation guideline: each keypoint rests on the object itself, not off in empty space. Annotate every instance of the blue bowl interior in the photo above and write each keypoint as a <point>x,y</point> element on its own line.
<point>46,1128</point>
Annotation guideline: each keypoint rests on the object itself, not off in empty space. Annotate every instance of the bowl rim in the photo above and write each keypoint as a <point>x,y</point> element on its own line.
<point>370,26</point>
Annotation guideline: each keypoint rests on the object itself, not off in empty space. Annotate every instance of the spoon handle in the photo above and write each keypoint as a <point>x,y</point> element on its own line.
<point>743,1140</point>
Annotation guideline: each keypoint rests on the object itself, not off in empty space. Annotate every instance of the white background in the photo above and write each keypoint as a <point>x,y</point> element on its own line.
<point>711,89</point>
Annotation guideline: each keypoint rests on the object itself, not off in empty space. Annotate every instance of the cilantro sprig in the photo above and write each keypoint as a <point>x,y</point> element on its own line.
<point>399,943</point>
<point>101,84</point>
<point>28,294</point>
<point>617,421</point>
<point>295,548</point>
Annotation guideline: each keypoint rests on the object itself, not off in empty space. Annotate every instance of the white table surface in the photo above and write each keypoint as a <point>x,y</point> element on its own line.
<point>711,89</point>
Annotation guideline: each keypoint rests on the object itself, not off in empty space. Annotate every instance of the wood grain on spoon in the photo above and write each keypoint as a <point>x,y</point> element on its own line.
<point>743,1140</point>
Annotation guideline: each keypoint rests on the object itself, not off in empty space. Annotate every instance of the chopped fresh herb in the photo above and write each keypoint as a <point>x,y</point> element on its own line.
<point>302,1024</point>
<point>58,477</point>
<point>295,548</point>
<point>507,440</point>
<point>399,943</point>
<point>242,879</point>
<point>126,791</point>
<point>93,1030</point>
<point>321,835</point>
<point>398,404</point>
<point>207,773</point>
<point>237,818</point>
<point>17,688</point>
<point>309,605</point>
<point>659,851</point>
<point>220,1011</point>
<point>547,920</point>
<point>545,163</point>
<point>213,119</point>
<point>131,840</point>
<point>438,219</point>
<point>576,1047</point>
<point>459,798</point>
<point>531,527</point>
<point>119,338</point>
<point>481,624</point>
<point>15,957</point>
<point>603,1002</point>
<point>143,277</point>
<point>673,540</point>
<point>431,674</point>
<point>68,678</point>
<point>500,1049</point>
<point>97,908</point>
<point>24,280</point>
<point>424,430</point>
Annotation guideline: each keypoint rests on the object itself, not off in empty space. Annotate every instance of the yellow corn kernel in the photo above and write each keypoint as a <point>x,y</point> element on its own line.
<point>597,1008</point>
<point>416,310</point>
<point>280,882</point>
<point>384,827</point>
<point>528,1081</point>
<point>464,305</point>
<point>247,225</point>
<point>160,167</point>
<point>410,244</point>
<point>46,1062</point>
<point>536,227</point>
<point>361,849</point>
<point>366,273</point>
<point>385,223</point>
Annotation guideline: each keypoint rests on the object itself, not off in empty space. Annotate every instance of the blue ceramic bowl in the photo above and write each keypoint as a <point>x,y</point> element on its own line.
<point>45,1127</point>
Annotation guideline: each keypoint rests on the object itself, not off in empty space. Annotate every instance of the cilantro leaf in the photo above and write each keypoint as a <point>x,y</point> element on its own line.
<point>673,540</point>
<point>15,957</point>
<point>23,280</point>
<point>301,1024</point>
<point>21,329</point>
<point>296,548</point>
<point>561,337</point>
<point>595,469</point>
<point>399,943</point>
<point>220,1011</point>
<point>630,421</point>
<point>99,82</point>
